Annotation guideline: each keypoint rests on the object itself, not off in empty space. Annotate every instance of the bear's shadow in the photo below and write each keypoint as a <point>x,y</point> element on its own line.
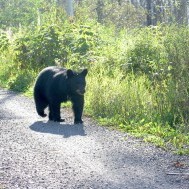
<point>66,130</point>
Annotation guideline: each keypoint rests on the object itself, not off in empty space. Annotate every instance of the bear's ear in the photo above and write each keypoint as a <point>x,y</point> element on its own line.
<point>70,73</point>
<point>84,72</point>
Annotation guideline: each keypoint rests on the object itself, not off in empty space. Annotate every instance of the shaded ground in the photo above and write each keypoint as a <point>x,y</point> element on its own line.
<point>36,154</point>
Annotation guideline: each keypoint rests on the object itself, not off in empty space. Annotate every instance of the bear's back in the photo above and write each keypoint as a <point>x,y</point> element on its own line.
<point>49,79</point>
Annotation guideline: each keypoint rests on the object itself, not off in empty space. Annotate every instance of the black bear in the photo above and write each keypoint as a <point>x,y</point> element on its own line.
<point>55,85</point>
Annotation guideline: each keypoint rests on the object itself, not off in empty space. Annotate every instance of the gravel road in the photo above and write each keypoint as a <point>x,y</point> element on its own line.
<point>38,154</point>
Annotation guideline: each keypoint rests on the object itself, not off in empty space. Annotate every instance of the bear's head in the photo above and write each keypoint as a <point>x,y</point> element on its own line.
<point>76,81</point>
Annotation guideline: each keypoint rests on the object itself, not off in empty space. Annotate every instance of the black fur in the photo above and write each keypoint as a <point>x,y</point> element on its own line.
<point>55,85</point>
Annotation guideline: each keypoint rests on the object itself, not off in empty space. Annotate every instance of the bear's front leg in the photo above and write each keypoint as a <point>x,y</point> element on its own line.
<point>54,112</point>
<point>50,114</point>
<point>77,106</point>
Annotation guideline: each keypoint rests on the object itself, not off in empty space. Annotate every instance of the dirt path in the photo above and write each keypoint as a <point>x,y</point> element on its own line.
<point>37,154</point>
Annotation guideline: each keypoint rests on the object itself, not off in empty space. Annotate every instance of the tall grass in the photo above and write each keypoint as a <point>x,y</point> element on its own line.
<point>136,105</point>
<point>122,98</point>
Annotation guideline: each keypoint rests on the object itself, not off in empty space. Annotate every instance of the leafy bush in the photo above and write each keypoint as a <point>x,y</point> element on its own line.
<point>4,42</point>
<point>147,53</point>
<point>123,99</point>
<point>38,49</point>
<point>52,45</point>
<point>20,81</point>
<point>79,43</point>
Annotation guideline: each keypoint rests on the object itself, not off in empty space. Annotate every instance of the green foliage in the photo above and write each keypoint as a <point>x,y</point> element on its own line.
<point>124,15</point>
<point>5,68</point>
<point>17,12</point>
<point>138,79</point>
<point>147,54</point>
<point>177,47</point>
<point>11,76</point>
<point>38,49</point>
<point>20,81</point>
<point>78,43</point>
<point>4,42</point>
<point>123,98</point>
<point>21,13</point>
<point>52,44</point>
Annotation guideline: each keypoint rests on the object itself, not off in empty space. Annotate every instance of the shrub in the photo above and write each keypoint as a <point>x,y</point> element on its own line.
<point>4,42</point>
<point>38,49</point>
<point>21,81</point>
<point>147,52</point>
<point>125,99</point>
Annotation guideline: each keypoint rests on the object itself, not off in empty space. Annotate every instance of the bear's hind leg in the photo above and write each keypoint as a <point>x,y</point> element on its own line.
<point>50,114</point>
<point>41,104</point>
<point>41,107</point>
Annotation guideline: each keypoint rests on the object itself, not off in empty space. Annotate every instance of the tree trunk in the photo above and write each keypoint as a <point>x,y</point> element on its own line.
<point>149,12</point>
<point>159,11</point>
<point>187,13</point>
<point>69,8</point>
<point>99,10</point>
